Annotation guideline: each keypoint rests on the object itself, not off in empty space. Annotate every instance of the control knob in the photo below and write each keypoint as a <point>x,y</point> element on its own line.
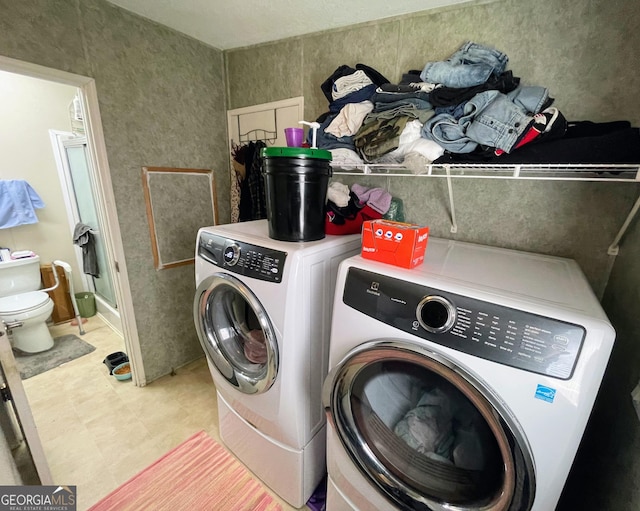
<point>436,314</point>
<point>231,254</point>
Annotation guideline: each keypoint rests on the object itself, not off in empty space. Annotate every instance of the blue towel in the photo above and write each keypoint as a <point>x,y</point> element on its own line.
<point>17,203</point>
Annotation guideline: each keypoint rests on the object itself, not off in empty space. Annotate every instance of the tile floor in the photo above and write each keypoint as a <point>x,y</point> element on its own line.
<point>97,432</point>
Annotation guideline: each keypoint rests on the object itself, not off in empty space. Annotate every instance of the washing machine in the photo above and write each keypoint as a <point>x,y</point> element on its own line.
<point>463,384</point>
<point>262,311</point>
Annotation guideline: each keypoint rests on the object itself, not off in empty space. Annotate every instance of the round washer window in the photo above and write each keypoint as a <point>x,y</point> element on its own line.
<point>426,433</point>
<point>236,333</point>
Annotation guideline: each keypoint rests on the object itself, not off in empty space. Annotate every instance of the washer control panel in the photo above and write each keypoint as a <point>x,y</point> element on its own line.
<point>493,332</point>
<point>242,258</point>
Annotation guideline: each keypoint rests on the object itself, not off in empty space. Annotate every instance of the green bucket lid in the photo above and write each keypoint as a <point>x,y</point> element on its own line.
<point>296,152</point>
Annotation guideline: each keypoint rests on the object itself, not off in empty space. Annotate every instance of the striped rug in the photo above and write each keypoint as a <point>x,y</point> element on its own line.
<point>198,475</point>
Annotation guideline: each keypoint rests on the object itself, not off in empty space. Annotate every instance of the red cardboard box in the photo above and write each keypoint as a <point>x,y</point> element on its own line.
<point>395,243</point>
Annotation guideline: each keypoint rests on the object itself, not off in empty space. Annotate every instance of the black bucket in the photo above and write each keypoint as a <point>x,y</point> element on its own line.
<point>296,183</point>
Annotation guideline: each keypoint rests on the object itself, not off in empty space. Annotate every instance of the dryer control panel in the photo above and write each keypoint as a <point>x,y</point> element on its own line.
<point>501,334</point>
<point>242,258</point>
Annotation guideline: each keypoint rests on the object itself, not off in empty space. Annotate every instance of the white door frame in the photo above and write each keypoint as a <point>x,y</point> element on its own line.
<point>22,409</point>
<point>98,155</point>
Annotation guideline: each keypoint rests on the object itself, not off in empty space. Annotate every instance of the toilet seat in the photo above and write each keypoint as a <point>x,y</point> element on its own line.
<point>23,302</point>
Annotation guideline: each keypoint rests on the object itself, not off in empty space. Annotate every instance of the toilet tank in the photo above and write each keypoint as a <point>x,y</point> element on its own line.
<point>19,276</point>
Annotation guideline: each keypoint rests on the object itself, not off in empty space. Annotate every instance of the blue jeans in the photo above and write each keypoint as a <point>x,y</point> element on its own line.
<point>471,65</point>
<point>490,118</point>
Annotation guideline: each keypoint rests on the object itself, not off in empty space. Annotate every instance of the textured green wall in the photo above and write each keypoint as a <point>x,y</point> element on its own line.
<point>161,98</point>
<point>586,53</point>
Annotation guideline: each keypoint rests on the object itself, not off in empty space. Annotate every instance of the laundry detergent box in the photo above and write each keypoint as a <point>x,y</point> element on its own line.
<point>396,243</point>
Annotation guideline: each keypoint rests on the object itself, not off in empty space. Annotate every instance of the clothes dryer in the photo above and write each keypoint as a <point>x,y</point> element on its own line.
<point>262,311</point>
<point>462,384</point>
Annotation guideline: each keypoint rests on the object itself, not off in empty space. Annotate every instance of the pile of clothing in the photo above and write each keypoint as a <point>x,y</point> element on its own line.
<point>369,120</point>
<point>478,103</point>
<point>347,209</point>
<point>466,108</point>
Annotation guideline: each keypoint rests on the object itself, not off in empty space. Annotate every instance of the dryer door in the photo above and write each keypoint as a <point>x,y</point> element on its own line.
<point>427,433</point>
<point>236,333</point>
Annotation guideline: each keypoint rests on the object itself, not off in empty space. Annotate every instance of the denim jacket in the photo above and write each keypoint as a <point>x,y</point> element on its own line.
<point>490,118</point>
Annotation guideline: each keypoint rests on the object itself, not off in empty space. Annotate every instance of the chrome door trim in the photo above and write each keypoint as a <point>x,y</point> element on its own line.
<point>243,382</point>
<point>503,424</point>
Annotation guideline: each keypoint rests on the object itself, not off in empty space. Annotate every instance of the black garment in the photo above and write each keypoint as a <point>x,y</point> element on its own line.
<point>449,96</point>
<point>584,142</point>
<point>345,70</point>
<point>411,76</point>
<point>244,208</point>
<point>256,183</point>
<point>397,87</point>
<point>252,190</point>
<point>595,129</point>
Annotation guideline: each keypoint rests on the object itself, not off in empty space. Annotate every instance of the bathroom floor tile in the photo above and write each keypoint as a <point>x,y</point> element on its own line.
<point>97,432</point>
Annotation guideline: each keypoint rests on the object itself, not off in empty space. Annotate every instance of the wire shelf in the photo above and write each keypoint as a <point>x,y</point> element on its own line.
<point>562,172</point>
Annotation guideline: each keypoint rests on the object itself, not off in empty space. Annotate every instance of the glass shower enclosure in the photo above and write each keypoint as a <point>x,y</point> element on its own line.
<point>82,187</point>
<point>84,207</point>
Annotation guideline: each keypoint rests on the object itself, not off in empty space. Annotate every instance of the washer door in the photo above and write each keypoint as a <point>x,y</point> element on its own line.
<point>236,333</point>
<point>427,433</point>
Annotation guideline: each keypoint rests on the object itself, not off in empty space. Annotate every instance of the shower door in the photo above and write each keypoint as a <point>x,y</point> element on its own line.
<point>83,188</point>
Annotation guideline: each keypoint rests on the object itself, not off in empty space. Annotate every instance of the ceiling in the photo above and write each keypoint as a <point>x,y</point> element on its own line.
<point>226,25</point>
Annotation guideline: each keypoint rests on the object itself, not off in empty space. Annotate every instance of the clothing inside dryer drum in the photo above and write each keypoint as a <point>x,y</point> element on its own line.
<point>427,433</point>
<point>238,332</point>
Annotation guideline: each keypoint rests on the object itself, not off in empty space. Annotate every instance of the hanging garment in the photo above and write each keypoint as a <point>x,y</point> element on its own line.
<point>18,201</point>
<point>252,189</point>
<point>256,183</point>
<point>238,174</point>
<point>83,237</point>
<point>234,191</point>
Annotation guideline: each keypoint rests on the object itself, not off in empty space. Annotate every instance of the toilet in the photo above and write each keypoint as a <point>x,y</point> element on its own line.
<point>21,301</point>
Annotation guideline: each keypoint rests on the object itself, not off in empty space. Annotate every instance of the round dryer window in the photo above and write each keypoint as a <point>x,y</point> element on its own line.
<point>236,333</point>
<point>426,433</point>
